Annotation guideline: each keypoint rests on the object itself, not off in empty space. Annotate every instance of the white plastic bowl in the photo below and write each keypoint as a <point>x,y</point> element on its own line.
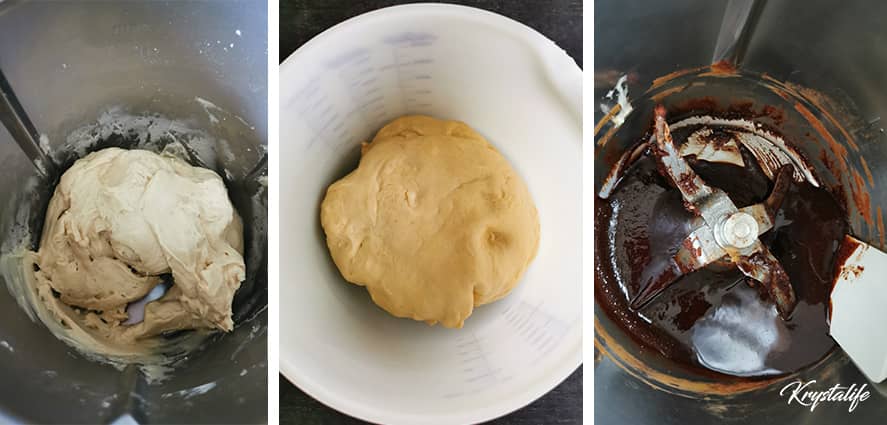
<point>520,91</point>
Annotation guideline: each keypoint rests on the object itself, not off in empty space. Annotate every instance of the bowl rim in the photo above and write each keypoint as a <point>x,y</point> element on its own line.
<point>545,382</point>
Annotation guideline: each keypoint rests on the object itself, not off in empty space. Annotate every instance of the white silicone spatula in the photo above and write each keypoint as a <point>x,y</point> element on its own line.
<point>859,306</point>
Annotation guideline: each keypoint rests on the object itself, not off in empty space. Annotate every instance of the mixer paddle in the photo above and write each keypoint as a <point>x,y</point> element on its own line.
<point>726,231</point>
<point>22,130</point>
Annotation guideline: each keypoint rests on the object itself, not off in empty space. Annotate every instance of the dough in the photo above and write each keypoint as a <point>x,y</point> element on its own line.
<point>434,221</point>
<point>118,220</point>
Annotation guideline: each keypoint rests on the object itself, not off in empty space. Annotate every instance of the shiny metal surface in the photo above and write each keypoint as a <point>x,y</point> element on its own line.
<point>725,232</point>
<point>68,62</point>
<point>740,18</point>
<point>832,55</point>
<point>20,127</point>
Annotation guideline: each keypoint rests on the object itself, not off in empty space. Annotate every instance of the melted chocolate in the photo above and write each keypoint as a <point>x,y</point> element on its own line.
<point>715,320</point>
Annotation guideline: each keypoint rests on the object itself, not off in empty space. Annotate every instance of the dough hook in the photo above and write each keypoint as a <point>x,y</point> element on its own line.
<point>22,130</point>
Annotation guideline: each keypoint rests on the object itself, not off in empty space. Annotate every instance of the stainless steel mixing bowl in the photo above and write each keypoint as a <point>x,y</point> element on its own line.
<point>68,63</point>
<point>821,63</point>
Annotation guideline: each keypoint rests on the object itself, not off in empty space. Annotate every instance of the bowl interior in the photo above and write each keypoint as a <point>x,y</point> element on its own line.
<point>452,63</point>
<point>847,166</point>
<point>71,64</point>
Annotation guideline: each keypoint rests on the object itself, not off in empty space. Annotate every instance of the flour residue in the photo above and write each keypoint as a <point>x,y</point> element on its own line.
<point>209,107</point>
<point>212,110</point>
<point>190,392</point>
<point>44,142</point>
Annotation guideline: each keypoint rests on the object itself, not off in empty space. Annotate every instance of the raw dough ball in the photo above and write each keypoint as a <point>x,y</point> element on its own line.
<point>434,221</point>
<point>117,221</point>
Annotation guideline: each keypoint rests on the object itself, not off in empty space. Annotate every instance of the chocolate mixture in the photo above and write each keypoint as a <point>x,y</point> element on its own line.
<point>712,319</point>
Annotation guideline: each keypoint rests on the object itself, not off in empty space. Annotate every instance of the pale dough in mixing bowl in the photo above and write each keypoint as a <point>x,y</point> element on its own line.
<point>434,221</point>
<point>118,220</point>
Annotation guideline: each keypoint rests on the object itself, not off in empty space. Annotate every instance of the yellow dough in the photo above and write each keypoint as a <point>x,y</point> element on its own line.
<point>434,221</point>
<point>117,221</point>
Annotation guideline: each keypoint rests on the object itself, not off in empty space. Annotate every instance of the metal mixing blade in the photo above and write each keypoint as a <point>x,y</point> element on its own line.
<point>724,232</point>
<point>16,121</point>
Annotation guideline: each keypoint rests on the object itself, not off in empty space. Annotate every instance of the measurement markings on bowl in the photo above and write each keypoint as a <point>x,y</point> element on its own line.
<point>538,329</point>
<point>317,112</point>
<point>474,359</point>
<point>413,65</point>
<point>478,373</point>
<point>363,93</point>
<point>531,327</point>
<point>360,78</point>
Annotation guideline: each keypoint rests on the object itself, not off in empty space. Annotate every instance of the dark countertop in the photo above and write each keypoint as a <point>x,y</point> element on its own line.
<point>559,20</point>
<point>562,405</point>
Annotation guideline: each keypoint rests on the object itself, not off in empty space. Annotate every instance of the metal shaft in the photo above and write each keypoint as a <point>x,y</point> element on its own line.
<point>740,18</point>
<point>22,130</point>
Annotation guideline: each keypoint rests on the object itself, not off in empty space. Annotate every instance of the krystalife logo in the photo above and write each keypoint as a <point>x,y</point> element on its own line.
<point>802,393</point>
